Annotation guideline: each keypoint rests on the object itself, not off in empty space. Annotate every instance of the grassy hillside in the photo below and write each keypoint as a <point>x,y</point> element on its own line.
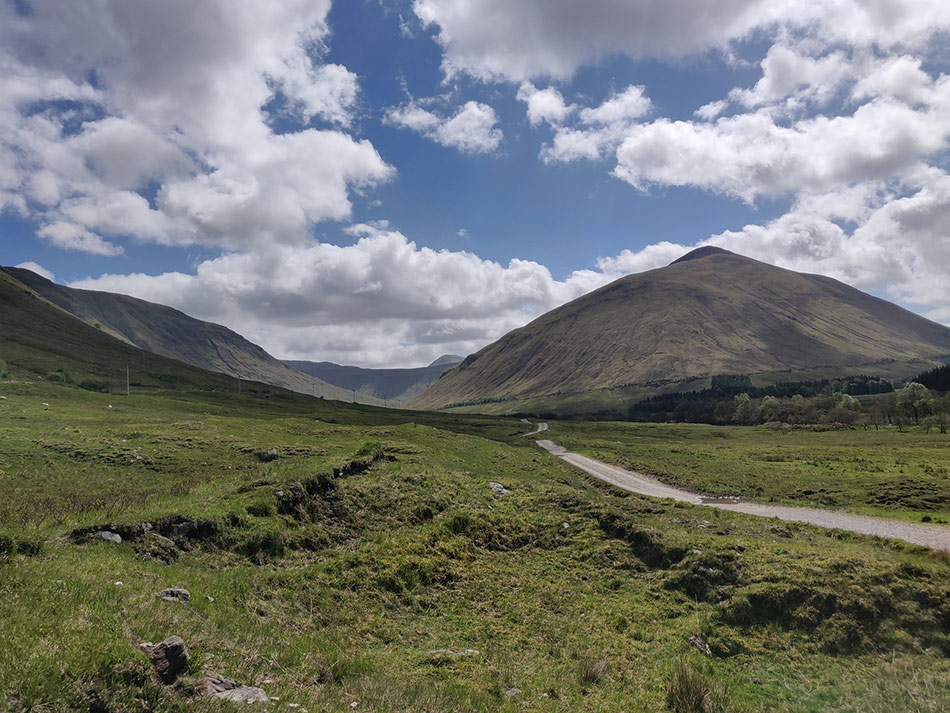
<point>396,386</point>
<point>40,340</point>
<point>717,313</point>
<point>171,333</point>
<point>371,564</point>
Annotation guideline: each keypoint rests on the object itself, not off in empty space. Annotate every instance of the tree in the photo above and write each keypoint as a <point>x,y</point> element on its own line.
<point>915,400</point>
<point>743,406</point>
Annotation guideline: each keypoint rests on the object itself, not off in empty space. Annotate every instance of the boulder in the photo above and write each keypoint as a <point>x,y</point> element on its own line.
<point>109,536</point>
<point>498,488</point>
<point>169,658</point>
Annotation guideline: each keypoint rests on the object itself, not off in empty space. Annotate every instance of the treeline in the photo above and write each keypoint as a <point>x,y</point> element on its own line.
<point>733,400</point>
<point>936,379</point>
<point>716,404</point>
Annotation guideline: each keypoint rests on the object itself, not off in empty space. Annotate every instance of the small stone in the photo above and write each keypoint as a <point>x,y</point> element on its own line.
<point>109,536</point>
<point>118,584</point>
<point>565,526</point>
<point>169,658</point>
<point>498,488</point>
<point>175,594</point>
<point>228,689</point>
<point>354,704</point>
<point>453,652</point>
<point>512,692</point>
<point>700,643</point>
<point>211,599</point>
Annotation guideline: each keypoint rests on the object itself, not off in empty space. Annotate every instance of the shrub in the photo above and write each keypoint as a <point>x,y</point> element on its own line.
<point>691,691</point>
<point>591,670</point>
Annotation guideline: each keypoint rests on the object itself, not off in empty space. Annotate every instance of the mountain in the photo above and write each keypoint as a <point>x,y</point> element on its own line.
<point>39,339</point>
<point>710,312</point>
<point>168,332</point>
<point>392,385</point>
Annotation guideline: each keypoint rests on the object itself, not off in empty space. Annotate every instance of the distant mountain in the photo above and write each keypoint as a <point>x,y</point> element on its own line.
<point>168,332</point>
<point>396,386</point>
<point>38,339</point>
<point>710,312</point>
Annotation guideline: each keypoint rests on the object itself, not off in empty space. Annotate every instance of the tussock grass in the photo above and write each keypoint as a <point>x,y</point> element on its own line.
<point>334,582</point>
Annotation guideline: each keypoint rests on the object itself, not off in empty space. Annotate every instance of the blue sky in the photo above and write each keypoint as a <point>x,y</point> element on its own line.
<point>378,182</point>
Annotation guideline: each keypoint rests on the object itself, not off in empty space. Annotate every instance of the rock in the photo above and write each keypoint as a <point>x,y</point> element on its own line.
<point>175,594</point>
<point>453,652</point>
<point>498,488</point>
<point>169,658</point>
<point>700,643</point>
<point>218,686</point>
<point>512,692</point>
<point>268,455</point>
<point>109,536</point>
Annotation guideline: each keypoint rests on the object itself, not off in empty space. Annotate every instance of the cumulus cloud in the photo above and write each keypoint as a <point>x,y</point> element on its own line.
<point>381,301</point>
<point>38,269</point>
<point>145,119</point>
<point>472,129</point>
<point>583,132</point>
<point>525,40</point>
<point>752,154</point>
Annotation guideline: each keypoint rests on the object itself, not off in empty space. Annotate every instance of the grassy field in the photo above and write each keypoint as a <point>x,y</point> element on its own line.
<point>329,574</point>
<point>877,472</point>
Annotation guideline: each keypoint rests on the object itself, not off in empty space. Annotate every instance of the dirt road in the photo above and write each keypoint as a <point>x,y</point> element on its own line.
<point>934,536</point>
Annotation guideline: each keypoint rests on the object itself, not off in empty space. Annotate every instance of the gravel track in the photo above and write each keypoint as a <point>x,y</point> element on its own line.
<point>933,536</point>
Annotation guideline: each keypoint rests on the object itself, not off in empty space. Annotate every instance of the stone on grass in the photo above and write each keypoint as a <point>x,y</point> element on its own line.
<point>109,536</point>
<point>218,686</point>
<point>700,643</point>
<point>175,594</point>
<point>169,658</point>
<point>498,488</point>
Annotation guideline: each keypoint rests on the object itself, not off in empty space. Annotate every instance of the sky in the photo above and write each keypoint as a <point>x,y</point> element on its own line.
<point>379,182</point>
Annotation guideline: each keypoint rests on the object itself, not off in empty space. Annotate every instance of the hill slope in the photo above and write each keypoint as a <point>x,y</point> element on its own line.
<point>162,330</point>
<point>711,312</point>
<point>394,385</point>
<point>38,338</point>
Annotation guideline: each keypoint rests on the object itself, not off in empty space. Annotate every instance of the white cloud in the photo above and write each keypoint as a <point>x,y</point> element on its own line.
<point>383,300</point>
<point>38,269</point>
<point>472,129</point>
<point>70,236</point>
<point>99,104</point>
<point>520,41</point>
<point>788,74</point>
<point>544,104</point>
<point>748,155</point>
<point>595,130</point>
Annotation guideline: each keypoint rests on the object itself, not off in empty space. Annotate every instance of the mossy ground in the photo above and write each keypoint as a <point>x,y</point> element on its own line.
<point>329,583</point>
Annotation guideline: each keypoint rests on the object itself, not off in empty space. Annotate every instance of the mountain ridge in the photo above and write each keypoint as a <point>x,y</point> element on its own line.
<point>710,312</point>
<point>398,386</point>
<point>169,332</point>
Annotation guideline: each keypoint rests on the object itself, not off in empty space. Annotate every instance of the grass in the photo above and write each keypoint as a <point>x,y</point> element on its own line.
<point>330,573</point>
<point>875,472</point>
